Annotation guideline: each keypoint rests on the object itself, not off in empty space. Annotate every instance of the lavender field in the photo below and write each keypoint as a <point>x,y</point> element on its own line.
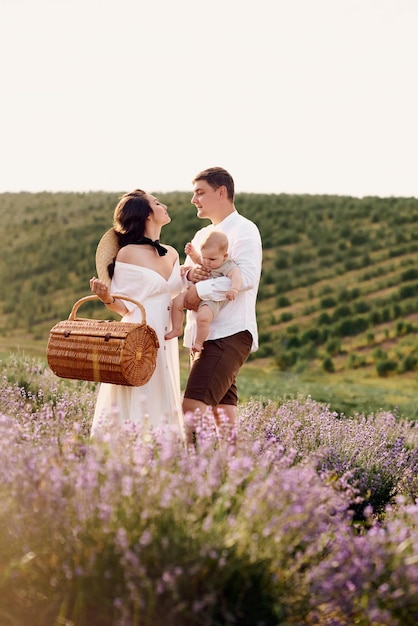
<point>309,518</point>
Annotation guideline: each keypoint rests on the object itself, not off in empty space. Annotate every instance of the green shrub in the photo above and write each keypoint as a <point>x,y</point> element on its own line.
<point>281,261</point>
<point>347,295</point>
<point>408,291</point>
<point>283,301</point>
<point>409,274</point>
<point>356,360</point>
<point>286,316</point>
<point>410,362</point>
<point>370,337</point>
<point>333,346</point>
<point>328,364</point>
<point>265,350</point>
<point>286,359</point>
<point>341,311</point>
<point>324,319</point>
<point>265,336</point>
<point>312,335</point>
<point>352,326</point>
<point>327,302</point>
<point>361,306</point>
<point>386,367</point>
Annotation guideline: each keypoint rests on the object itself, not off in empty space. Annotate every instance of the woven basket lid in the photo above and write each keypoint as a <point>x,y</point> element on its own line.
<point>107,249</point>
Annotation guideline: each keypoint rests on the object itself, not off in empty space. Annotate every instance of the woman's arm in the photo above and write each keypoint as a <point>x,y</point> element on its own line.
<point>102,291</point>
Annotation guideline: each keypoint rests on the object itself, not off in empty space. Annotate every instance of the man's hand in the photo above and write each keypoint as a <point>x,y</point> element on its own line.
<point>191,299</point>
<point>199,272</point>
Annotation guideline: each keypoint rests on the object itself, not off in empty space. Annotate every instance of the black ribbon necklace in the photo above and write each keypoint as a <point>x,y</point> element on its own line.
<point>155,244</point>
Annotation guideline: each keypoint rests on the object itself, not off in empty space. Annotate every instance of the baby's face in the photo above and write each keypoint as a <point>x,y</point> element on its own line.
<point>212,257</point>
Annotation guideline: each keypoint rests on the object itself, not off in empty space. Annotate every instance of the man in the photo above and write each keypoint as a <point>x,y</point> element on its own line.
<point>233,334</point>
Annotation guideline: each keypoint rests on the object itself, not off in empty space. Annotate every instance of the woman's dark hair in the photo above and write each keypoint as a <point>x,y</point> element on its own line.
<point>129,219</point>
<point>130,216</point>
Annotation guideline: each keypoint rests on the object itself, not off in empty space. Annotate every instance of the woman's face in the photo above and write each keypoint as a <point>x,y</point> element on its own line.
<point>159,210</point>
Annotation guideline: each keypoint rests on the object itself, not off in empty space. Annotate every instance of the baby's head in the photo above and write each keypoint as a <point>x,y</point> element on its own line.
<point>214,250</point>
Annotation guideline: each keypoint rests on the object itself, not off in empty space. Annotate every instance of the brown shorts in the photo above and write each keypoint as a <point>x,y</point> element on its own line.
<point>213,373</point>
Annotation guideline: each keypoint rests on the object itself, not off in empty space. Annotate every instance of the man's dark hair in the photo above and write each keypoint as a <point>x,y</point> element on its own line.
<point>217,177</point>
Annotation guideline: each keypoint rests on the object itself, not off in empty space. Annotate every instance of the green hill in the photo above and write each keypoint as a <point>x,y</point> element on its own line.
<point>338,300</point>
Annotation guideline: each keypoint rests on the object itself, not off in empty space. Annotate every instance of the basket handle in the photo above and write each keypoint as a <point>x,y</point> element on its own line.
<point>112,295</point>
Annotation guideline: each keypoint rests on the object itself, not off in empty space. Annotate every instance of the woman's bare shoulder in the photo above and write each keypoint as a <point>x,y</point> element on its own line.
<point>146,257</point>
<point>130,254</point>
<point>171,251</point>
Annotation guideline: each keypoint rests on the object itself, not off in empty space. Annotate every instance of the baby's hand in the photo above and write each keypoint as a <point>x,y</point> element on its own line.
<point>231,294</point>
<point>188,247</point>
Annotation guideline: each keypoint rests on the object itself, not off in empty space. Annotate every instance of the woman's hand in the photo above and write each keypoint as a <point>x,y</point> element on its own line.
<point>100,289</point>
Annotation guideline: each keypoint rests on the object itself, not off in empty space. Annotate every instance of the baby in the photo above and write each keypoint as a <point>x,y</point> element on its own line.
<point>214,256</point>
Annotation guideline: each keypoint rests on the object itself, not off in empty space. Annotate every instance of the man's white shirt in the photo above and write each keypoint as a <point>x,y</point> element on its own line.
<point>239,314</point>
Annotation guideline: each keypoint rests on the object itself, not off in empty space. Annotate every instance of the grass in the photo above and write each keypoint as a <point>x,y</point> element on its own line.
<point>348,392</point>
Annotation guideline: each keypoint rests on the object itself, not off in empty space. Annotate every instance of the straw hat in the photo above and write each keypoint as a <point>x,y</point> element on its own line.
<point>107,249</point>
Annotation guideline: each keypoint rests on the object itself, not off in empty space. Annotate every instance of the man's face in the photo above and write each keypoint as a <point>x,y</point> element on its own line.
<point>205,199</point>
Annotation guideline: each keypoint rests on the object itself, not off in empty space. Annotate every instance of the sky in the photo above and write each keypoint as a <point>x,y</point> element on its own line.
<point>290,96</point>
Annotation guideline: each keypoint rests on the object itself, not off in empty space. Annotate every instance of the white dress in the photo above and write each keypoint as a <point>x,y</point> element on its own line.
<point>158,403</point>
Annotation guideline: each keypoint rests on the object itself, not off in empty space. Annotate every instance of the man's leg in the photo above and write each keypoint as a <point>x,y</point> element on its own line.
<point>193,410</point>
<point>225,416</point>
<point>229,410</point>
<point>212,379</point>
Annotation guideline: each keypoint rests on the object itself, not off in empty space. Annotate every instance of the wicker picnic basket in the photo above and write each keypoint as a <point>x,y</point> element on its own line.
<point>107,351</point>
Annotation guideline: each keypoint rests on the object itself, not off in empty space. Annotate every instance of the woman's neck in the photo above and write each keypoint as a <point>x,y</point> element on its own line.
<point>153,233</point>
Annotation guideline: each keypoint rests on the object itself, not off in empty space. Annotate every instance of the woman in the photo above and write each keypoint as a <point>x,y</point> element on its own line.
<point>130,261</point>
